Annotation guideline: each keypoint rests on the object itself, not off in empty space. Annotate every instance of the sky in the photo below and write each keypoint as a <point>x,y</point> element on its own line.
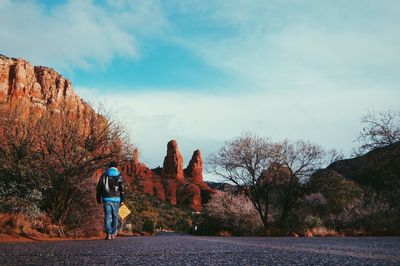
<point>204,72</point>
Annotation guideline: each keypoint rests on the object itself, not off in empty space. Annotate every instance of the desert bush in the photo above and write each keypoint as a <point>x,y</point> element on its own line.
<point>148,226</point>
<point>44,226</point>
<point>313,222</point>
<point>335,188</point>
<point>224,233</point>
<point>321,231</point>
<point>16,224</point>
<point>175,218</point>
<point>163,215</point>
<point>367,214</point>
<point>235,214</point>
<point>19,177</point>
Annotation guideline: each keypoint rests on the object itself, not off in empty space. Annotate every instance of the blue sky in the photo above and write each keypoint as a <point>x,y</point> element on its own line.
<point>203,72</point>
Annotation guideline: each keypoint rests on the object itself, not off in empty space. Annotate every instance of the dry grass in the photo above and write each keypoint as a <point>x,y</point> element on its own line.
<point>21,226</point>
<point>321,232</point>
<point>224,233</point>
<point>16,224</point>
<point>17,227</point>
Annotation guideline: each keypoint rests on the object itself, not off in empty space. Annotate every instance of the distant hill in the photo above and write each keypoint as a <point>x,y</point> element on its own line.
<point>221,186</point>
<point>378,169</point>
<point>374,168</point>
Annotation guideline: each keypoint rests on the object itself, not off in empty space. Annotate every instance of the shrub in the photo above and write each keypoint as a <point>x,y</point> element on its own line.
<point>148,226</point>
<point>235,214</point>
<point>367,214</point>
<point>163,215</point>
<point>16,224</point>
<point>313,222</point>
<point>224,233</point>
<point>321,231</point>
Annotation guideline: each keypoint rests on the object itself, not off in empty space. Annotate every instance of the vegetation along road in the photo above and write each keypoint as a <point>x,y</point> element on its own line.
<point>172,249</point>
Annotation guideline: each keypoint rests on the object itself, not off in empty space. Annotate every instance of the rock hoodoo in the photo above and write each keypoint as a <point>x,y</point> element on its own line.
<point>194,171</point>
<point>172,172</point>
<point>171,183</point>
<point>173,162</point>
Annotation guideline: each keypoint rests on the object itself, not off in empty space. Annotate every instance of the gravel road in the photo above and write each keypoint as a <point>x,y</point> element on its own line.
<point>174,249</point>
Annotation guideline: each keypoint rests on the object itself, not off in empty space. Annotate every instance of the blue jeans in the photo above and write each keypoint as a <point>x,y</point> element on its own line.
<point>111,217</point>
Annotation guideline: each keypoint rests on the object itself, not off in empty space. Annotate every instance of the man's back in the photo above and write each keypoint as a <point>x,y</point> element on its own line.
<point>111,185</point>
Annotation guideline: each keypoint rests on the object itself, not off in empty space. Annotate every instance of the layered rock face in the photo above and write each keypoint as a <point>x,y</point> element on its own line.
<point>143,176</point>
<point>33,90</point>
<point>172,182</point>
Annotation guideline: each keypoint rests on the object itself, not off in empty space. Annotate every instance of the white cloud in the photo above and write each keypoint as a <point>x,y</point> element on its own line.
<point>300,44</point>
<point>329,118</point>
<point>76,34</point>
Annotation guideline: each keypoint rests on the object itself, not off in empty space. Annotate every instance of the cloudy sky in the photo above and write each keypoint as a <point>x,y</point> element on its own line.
<point>205,71</point>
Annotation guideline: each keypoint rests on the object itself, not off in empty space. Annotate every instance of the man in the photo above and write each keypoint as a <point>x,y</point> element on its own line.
<point>110,192</point>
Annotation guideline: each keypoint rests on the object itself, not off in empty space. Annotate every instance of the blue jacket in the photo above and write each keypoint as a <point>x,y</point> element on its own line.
<point>110,187</point>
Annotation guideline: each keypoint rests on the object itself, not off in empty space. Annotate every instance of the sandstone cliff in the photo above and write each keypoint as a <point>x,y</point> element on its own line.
<point>33,90</point>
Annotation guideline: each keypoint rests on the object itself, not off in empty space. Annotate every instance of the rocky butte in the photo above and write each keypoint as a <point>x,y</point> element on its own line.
<point>172,183</point>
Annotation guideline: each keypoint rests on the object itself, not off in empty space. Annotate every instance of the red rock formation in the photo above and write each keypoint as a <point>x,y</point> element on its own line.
<point>148,180</point>
<point>171,187</point>
<point>189,194</point>
<point>31,91</point>
<point>173,162</point>
<point>194,170</point>
<point>195,167</point>
<point>159,189</point>
<point>169,183</point>
<point>172,173</point>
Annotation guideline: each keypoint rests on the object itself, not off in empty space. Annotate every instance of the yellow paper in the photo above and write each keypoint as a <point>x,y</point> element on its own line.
<point>123,211</point>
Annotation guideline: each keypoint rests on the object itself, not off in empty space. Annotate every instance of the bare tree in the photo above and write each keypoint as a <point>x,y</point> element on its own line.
<point>234,213</point>
<point>294,162</point>
<point>333,155</point>
<point>241,161</point>
<point>18,182</point>
<point>258,166</point>
<point>70,151</point>
<point>47,162</point>
<point>379,129</point>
